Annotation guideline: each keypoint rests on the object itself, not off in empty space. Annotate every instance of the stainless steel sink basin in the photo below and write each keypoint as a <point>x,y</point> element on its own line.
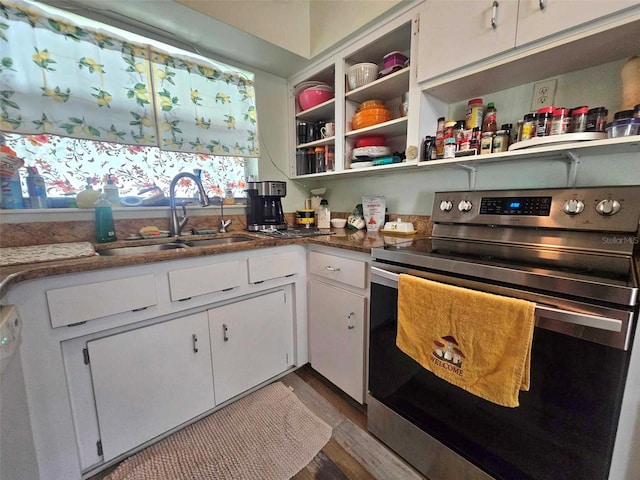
<point>218,241</point>
<point>142,249</point>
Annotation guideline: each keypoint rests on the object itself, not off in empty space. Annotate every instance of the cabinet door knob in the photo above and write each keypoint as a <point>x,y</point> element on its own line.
<point>195,342</point>
<point>494,14</point>
<point>350,325</point>
<point>543,4</point>
<point>225,329</point>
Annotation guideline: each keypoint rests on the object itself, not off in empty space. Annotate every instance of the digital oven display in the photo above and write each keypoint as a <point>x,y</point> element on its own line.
<point>534,206</point>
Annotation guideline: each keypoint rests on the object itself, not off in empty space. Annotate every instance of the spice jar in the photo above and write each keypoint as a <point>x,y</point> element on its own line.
<point>597,119</point>
<point>500,141</point>
<point>545,114</point>
<point>476,138</point>
<point>449,139</point>
<point>560,121</point>
<point>529,125</point>
<point>440,138</point>
<point>486,143</point>
<point>578,119</point>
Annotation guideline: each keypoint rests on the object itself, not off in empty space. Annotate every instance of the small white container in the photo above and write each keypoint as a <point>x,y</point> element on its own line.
<point>399,226</point>
<point>338,222</point>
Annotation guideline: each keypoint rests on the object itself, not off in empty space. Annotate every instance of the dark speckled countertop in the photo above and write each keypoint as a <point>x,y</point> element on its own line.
<point>359,241</point>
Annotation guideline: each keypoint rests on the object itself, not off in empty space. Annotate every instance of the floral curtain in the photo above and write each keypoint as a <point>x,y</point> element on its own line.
<point>66,79</point>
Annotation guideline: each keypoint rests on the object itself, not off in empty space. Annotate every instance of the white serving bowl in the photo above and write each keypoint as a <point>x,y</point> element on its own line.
<point>338,222</point>
<point>361,73</point>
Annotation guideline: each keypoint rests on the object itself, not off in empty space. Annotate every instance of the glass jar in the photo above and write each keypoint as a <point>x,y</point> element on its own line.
<point>545,114</point>
<point>597,119</point>
<point>579,119</point>
<point>529,126</point>
<point>486,143</point>
<point>449,150</point>
<point>500,141</point>
<point>560,121</point>
<point>440,138</point>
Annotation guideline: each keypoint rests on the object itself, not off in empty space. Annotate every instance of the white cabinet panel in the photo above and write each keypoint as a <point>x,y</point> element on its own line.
<point>251,341</point>
<point>149,380</point>
<point>337,336</point>
<point>556,16</point>
<point>191,282</point>
<point>339,269</point>
<point>454,34</point>
<point>267,267</point>
<point>80,303</point>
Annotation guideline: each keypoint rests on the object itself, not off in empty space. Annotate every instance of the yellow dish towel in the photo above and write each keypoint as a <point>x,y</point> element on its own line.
<point>478,341</point>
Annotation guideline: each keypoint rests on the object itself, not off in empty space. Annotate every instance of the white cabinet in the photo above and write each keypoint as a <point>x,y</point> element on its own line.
<point>251,341</point>
<point>456,34</point>
<point>149,380</point>
<point>337,336</point>
<point>541,18</point>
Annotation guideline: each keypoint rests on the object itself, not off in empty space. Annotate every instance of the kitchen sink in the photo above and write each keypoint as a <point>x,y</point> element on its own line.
<point>141,249</point>
<point>217,241</point>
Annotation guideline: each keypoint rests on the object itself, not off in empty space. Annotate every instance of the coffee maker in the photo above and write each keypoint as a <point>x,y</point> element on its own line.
<point>264,206</point>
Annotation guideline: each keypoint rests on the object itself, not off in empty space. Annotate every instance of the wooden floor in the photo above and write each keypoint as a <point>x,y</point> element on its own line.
<point>351,453</point>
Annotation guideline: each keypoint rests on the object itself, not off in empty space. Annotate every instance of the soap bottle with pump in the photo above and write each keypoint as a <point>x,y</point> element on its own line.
<point>111,191</point>
<point>105,230</point>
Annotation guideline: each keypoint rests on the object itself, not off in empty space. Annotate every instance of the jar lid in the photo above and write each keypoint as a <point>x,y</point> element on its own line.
<point>621,115</point>
<point>545,110</point>
<point>491,105</point>
<point>579,110</point>
<point>475,101</point>
<point>561,111</point>
<point>598,110</point>
<point>450,123</point>
<point>530,116</point>
<point>507,126</point>
<point>487,134</point>
<point>501,132</point>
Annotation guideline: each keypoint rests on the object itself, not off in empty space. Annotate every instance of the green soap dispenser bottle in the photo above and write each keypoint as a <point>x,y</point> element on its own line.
<point>105,230</point>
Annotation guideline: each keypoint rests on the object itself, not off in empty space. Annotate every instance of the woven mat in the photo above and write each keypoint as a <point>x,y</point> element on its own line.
<point>268,434</point>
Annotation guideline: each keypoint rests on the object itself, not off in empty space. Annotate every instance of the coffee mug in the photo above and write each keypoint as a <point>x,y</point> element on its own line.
<point>329,130</point>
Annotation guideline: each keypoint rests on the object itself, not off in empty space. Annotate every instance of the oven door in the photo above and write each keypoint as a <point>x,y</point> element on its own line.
<point>564,428</point>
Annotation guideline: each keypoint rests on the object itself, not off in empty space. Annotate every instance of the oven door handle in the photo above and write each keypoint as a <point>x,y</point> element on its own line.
<point>544,311</point>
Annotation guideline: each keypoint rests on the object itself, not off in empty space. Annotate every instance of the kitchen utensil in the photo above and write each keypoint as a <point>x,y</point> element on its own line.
<point>311,97</point>
<point>338,222</point>
<point>361,73</point>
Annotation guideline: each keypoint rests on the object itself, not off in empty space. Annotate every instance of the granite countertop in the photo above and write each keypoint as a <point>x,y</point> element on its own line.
<point>359,241</point>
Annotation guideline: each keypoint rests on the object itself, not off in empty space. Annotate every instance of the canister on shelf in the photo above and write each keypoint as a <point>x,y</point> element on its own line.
<point>597,119</point>
<point>428,148</point>
<point>440,138</point>
<point>490,120</point>
<point>476,138</point>
<point>560,121</point>
<point>529,125</point>
<point>500,141</point>
<point>578,119</point>
<point>474,114</point>
<point>545,114</point>
<point>449,139</point>
<point>486,143</point>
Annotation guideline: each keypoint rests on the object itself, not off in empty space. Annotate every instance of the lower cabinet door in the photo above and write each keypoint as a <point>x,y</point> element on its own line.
<point>149,380</point>
<point>336,336</point>
<point>251,341</point>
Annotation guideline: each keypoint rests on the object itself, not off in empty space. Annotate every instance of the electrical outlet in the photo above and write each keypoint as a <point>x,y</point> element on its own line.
<point>543,94</point>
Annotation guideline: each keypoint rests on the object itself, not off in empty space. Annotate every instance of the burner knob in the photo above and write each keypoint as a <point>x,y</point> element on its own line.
<point>465,205</point>
<point>446,206</point>
<point>608,207</point>
<point>573,207</point>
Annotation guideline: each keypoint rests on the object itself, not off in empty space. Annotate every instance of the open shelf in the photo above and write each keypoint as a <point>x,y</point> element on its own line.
<point>384,88</point>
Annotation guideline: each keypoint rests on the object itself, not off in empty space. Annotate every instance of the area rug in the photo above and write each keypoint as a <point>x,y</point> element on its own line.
<point>269,434</point>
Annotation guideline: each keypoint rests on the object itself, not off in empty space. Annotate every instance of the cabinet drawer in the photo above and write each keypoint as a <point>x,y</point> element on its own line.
<point>268,267</point>
<point>344,270</point>
<point>80,303</point>
<point>191,282</point>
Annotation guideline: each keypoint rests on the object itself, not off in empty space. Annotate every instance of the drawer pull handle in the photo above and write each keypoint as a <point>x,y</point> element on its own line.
<point>225,330</point>
<point>494,15</point>
<point>332,269</point>
<point>139,309</point>
<point>195,342</point>
<point>350,325</point>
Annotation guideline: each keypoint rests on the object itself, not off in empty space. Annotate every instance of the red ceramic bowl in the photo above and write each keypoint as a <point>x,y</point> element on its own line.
<point>371,141</point>
<point>311,97</point>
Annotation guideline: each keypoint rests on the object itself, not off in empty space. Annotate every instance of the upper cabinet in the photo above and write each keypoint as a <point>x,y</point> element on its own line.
<point>541,18</point>
<point>455,34</point>
<point>487,28</point>
<point>325,135</point>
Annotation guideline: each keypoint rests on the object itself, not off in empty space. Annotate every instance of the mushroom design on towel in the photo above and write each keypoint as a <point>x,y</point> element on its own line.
<point>450,344</point>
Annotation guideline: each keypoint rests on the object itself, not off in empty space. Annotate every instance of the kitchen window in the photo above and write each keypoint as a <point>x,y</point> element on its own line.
<point>83,102</point>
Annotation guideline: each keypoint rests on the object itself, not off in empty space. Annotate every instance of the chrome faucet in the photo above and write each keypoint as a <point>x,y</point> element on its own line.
<point>175,225</point>
<point>223,223</point>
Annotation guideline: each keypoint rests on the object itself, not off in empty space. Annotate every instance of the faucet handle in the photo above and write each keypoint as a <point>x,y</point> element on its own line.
<point>184,206</point>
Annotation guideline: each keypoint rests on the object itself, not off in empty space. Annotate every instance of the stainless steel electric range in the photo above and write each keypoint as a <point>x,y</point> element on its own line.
<point>571,251</point>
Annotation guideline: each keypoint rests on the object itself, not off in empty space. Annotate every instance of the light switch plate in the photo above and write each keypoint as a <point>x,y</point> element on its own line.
<point>543,94</point>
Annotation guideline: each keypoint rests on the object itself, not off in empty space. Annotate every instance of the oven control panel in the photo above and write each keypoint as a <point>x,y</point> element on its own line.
<point>590,208</point>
